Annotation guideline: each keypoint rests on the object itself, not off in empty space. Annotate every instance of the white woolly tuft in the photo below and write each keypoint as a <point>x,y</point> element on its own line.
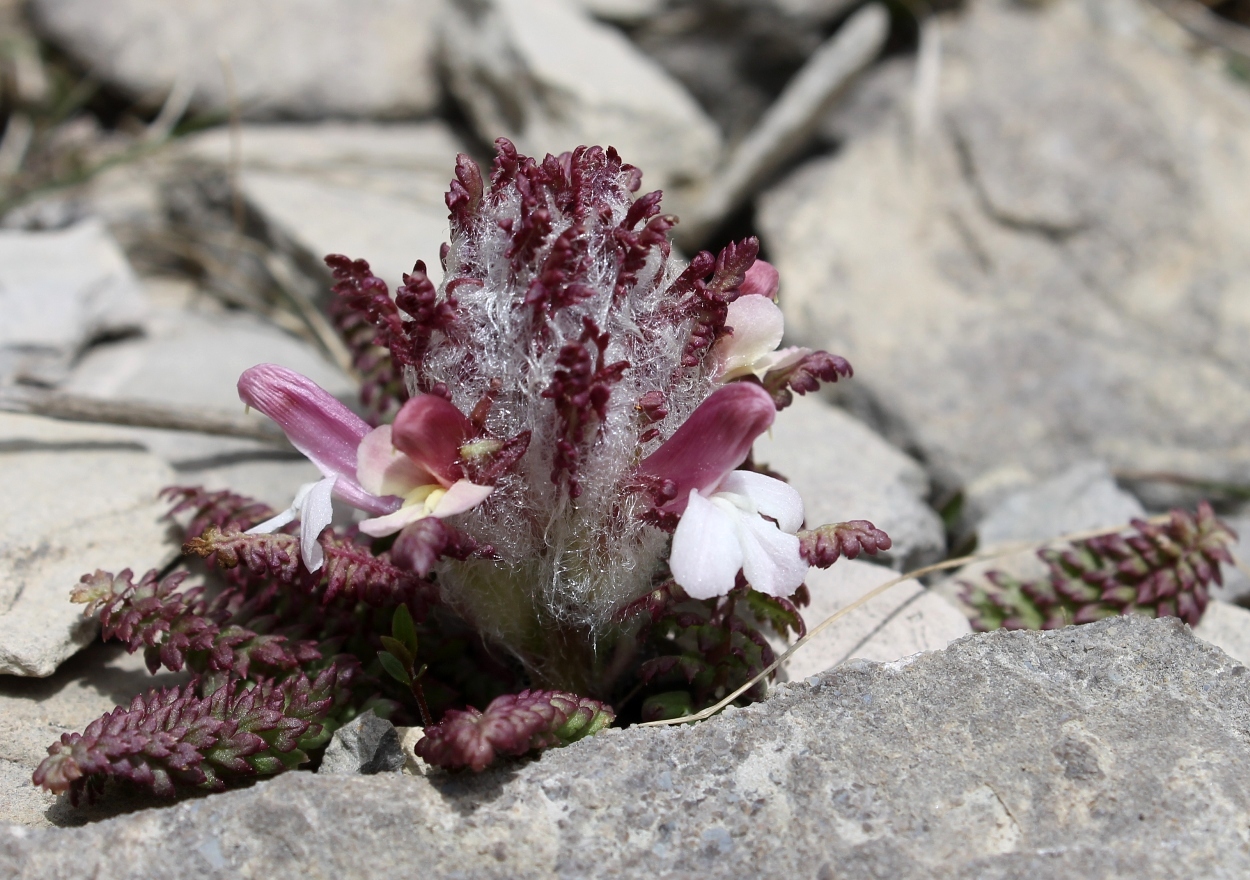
<point>574,561</point>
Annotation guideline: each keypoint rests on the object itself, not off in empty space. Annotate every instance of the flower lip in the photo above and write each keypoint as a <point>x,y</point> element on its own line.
<point>713,441</point>
<point>317,424</point>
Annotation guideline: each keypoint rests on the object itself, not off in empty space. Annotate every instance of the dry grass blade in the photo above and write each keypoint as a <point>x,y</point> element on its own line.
<point>137,414</point>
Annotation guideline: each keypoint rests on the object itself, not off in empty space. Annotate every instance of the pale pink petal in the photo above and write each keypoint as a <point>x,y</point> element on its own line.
<point>381,526</point>
<point>316,512</point>
<point>762,279</point>
<point>462,496</point>
<point>706,553</point>
<point>757,326</point>
<point>384,470</point>
<point>713,441</point>
<point>430,431</point>
<point>317,424</point>
<point>771,497</point>
<point>770,557</point>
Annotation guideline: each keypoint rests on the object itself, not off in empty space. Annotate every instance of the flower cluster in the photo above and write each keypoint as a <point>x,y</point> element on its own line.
<point>578,409</point>
<point>559,515</point>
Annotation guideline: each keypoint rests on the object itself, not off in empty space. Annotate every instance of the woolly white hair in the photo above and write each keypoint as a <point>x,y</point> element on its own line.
<point>562,561</point>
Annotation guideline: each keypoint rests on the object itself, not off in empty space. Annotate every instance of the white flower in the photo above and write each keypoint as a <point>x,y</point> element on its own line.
<point>724,530</point>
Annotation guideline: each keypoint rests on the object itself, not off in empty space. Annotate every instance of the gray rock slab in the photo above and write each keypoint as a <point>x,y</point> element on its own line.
<point>301,58</point>
<point>373,192</point>
<point>366,745</point>
<point>1110,750</point>
<point>904,620</point>
<point>1083,497</point>
<point>844,471</point>
<point>60,290</point>
<point>34,712</point>
<point>545,74</point>
<point>1050,273</point>
<point>76,500</point>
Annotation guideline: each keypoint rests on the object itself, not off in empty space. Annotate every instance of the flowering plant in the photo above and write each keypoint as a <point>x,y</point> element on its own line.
<point>562,513</point>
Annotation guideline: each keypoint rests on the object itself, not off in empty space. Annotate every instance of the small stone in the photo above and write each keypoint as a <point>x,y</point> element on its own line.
<point>1082,498</point>
<point>844,471</point>
<point>544,74</point>
<point>279,58</point>
<point>76,500</point>
<point>414,765</point>
<point>904,620</point>
<point>59,291</point>
<point>1070,753</point>
<point>364,746</point>
<point>1226,626</point>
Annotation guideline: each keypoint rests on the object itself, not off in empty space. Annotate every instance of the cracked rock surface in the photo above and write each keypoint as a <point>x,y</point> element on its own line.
<point>1116,749</point>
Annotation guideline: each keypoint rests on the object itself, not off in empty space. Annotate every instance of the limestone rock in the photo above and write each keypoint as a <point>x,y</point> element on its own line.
<point>845,471</point>
<point>366,745</point>
<point>76,500</point>
<point>59,291</point>
<point>1046,275</point>
<point>371,192</point>
<point>1082,498</point>
<point>301,58</point>
<point>544,74</point>
<point>904,620</point>
<point>1109,750</point>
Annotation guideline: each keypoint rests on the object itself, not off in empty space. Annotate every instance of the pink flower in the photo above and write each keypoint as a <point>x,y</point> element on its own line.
<point>751,349</point>
<point>722,528</point>
<point>328,433</point>
<point>416,459</point>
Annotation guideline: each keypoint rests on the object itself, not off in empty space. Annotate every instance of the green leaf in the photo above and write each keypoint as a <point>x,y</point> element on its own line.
<point>661,707</point>
<point>401,653</point>
<point>395,668</point>
<point>404,630</point>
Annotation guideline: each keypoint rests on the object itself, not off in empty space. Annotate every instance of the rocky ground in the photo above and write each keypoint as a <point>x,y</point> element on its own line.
<point>1025,224</point>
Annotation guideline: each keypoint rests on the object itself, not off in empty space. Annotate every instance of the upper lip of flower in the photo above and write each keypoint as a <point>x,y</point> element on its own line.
<point>317,424</point>
<point>713,441</point>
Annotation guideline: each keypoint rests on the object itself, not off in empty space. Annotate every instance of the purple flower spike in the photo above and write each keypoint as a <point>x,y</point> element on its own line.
<point>317,424</point>
<point>713,441</point>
